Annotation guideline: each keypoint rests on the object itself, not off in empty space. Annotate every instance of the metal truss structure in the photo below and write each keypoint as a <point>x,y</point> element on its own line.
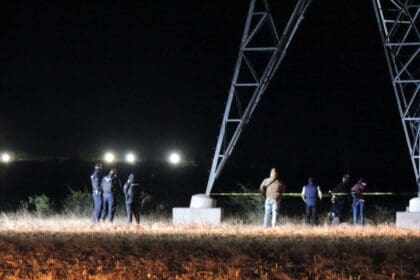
<point>260,56</point>
<point>261,52</point>
<point>398,22</point>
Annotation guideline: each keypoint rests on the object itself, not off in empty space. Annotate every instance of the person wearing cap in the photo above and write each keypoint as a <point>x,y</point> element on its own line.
<point>132,199</point>
<point>310,194</point>
<point>340,197</point>
<point>109,187</point>
<point>358,201</point>
<point>95,180</point>
<point>272,188</point>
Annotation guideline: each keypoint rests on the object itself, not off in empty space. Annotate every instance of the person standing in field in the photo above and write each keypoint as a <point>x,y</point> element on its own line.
<point>310,194</point>
<point>132,199</point>
<point>109,187</point>
<point>340,197</point>
<point>95,179</point>
<point>359,201</point>
<point>272,188</point>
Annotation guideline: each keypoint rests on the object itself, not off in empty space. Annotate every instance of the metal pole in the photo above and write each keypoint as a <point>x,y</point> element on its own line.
<point>276,47</point>
<point>401,43</point>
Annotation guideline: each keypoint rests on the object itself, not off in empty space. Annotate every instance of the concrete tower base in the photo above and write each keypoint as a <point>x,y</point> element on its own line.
<point>202,210</point>
<point>411,218</point>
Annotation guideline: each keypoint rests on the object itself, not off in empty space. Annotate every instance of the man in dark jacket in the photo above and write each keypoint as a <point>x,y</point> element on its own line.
<point>95,179</point>
<point>340,196</point>
<point>109,187</point>
<point>310,195</point>
<point>132,199</point>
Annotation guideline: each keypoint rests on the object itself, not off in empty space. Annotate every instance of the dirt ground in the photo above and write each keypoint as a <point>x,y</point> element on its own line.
<point>73,248</point>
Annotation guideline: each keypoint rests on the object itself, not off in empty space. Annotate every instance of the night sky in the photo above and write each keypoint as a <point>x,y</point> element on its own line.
<point>153,76</point>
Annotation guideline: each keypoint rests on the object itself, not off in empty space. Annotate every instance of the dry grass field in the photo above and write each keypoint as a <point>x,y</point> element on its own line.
<point>73,248</point>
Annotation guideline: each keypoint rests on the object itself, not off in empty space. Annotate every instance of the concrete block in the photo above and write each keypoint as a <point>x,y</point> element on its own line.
<point>194,216</point>
<point>414,204</point>
<point>202,201</point>
<point>408,220</point>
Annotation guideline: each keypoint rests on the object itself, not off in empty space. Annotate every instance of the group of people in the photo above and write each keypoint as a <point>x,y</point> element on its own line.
<point>104,191</point>
<point>105,188</point>
<point>273,188</point>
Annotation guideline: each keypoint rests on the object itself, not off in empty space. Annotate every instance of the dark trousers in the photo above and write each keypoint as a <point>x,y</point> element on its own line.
<point>339,206</point>
<point>97,206</point>
<point>311,216</point>
<point>108,204</point>
<point>133,209</point>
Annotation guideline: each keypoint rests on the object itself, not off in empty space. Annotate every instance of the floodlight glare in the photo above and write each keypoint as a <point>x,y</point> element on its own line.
<point>174,158</point>
<point>130,158</point>
<point>5,158</point>
<point>109,157</point>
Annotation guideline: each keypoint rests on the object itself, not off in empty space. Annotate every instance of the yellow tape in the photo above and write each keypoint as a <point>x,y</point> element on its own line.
<point>296,194</point>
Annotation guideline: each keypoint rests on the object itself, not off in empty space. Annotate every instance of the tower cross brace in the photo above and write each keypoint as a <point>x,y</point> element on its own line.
<point>398,22</point>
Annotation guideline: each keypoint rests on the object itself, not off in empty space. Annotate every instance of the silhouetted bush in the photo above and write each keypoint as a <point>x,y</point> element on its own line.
<point>78,202</point>
<point>250,208</point>
<point>41,204</point>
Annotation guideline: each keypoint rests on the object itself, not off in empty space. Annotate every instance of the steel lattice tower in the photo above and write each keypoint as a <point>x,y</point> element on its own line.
<point>398,23</point>
<point>397,20</point>
<point>261,52</point>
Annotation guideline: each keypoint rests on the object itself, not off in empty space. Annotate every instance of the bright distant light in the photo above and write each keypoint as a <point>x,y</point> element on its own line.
<point>109,157</point>
<point>174,158</point>
<point>130,158</point>
<point>5,158</point>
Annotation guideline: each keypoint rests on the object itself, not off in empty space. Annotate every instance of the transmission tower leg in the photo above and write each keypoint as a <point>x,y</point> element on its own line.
<point>398,22</point>
<point>258,59</point>
<point>260,55</point>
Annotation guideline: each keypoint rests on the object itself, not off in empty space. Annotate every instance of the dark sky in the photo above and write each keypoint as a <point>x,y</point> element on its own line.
<point>151,76</point>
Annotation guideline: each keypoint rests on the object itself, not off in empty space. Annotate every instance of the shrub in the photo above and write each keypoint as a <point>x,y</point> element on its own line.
<point>250,208</point>
<point>382,215</point>
<point>42,204</point>
<point>146,202</point>
<point>78,202</point>
<point>23,208</point>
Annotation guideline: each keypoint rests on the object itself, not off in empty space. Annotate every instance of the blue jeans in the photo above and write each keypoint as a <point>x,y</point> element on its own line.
<point>358,210</point>
<point>271,207</point>
<point>108,206</point>
<point>97,206</point>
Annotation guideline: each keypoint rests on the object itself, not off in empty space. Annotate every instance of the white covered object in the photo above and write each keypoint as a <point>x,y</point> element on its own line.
<point>414,205</point>
<point>196,216</point>
<point>202,201</point>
